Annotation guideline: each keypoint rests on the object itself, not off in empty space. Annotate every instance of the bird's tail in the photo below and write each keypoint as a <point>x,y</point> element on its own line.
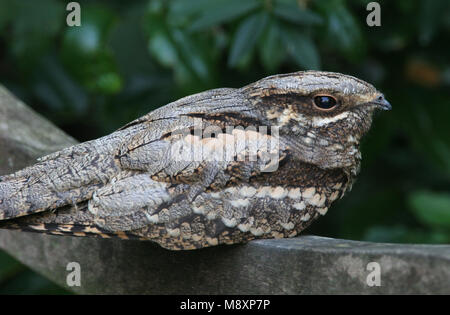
<point>66,177</point>
<point>67,221</point>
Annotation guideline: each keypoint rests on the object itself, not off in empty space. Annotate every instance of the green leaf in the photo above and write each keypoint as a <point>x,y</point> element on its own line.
<point>270,52</point>
<point>425,120</point>
<point>189,56</point>
<point>192,54</point>
<point>34,26</point>
<point>86,54</point>
<point>221,11</point>
<point>430,16</point>
<point>183,7</point>
<point>404,234</point>
<point>301,48</point>
<point>180,11</point>
<point>88,39</point>
<point>82,41</point>
<point>7,12</point>
<point>431,208</point>
<point>342,32</point>
<point>293,13</point>
<point>109,83</point>
<point>246,36</point>
<point>163,49</point>
<point>53,86</point>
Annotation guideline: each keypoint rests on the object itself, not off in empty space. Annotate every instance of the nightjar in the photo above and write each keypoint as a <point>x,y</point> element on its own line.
<point>220,167</point>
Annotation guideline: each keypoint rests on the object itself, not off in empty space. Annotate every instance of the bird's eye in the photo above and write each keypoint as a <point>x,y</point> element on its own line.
<point>325,101</point>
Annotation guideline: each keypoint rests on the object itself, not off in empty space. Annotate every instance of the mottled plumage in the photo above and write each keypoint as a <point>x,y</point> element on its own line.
<point>296,152</point>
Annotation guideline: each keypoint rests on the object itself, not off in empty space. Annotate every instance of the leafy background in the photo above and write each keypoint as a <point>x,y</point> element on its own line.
<point>129,58</point>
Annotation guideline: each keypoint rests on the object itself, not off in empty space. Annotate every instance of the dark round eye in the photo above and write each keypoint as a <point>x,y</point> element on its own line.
<point>325,101</point>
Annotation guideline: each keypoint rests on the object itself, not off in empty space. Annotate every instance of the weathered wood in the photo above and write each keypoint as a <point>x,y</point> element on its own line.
<point>307,264</point>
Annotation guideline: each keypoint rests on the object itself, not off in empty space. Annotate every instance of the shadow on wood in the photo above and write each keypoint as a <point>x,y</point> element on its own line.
<point>306,264</point>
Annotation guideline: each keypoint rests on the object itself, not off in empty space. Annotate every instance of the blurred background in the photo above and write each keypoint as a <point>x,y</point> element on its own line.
<point>130,57</point>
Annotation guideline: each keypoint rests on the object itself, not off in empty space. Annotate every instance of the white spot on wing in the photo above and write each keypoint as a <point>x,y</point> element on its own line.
<point>257,231</point>
<point>305,218</point>
<point>247,191</point>
<point>308,192</point>
<point>229,222</point>
<point>173,232</point>
<point>244,227</point>
<point>153,219</point>
<point>263,191</point>
<point>299,205</point>
<point>198,210</point>
<point>318,200</point>
<point>278,192</point>
<point>295,193</point>
<point>287,226</point>
<point>240,203</point>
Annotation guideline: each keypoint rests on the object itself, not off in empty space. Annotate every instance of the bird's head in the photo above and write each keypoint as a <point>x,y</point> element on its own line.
<point>321,115</point>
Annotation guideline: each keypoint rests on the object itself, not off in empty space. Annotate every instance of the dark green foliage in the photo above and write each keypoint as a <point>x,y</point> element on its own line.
<point>129,58</point>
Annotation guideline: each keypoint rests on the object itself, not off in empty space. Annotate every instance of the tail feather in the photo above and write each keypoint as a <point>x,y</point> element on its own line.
<point>70,220</point>
<point>66,177</point>
<point>23,196</point>
<point>67,230</point>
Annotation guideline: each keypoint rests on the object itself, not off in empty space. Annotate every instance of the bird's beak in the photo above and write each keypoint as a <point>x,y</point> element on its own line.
<point>381,103</point>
